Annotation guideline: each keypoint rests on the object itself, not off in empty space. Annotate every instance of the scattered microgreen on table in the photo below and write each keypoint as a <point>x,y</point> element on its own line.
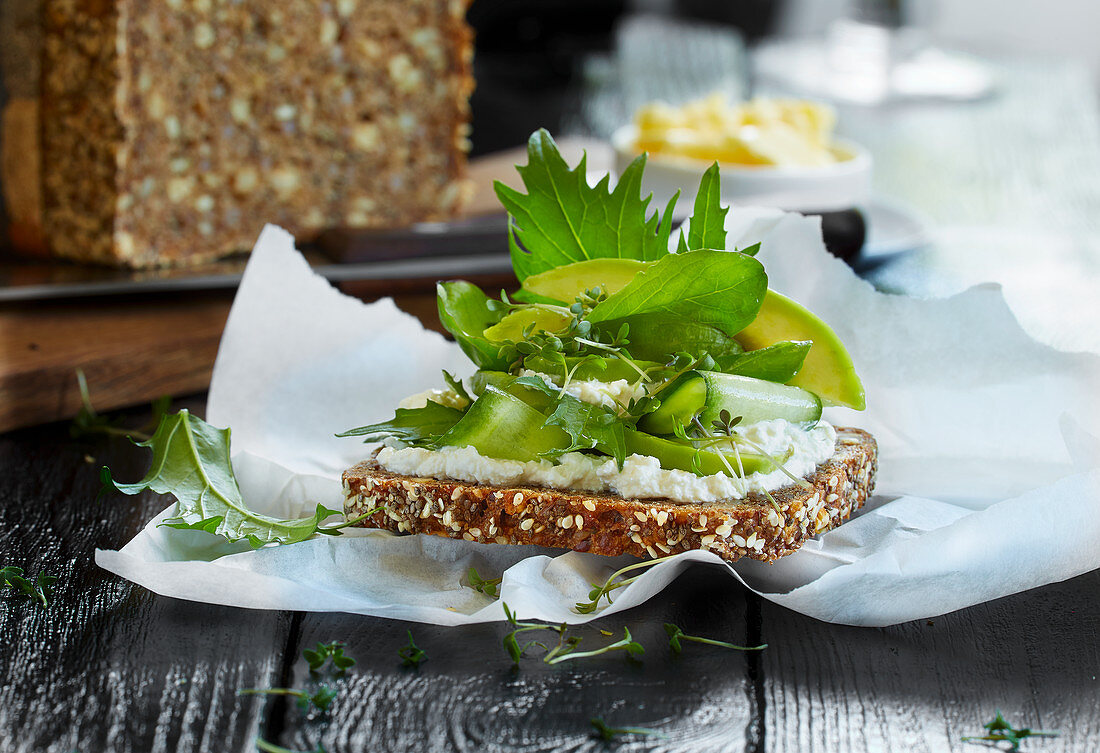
<point>411,654</point>
<point>266,747</point>
<point>319,658</point>
<point>319,699</point>
<point>676,635</point>
<point>999,730</point>
<point>608,733</point>
<point>566,647</point>
<point>39,590</point>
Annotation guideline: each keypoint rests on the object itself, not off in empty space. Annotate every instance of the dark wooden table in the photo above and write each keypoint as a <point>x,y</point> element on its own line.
<point>109,666</point>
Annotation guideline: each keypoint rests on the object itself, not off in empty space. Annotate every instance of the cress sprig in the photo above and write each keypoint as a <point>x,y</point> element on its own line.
<point>566,647</point>
<point>38,590</point>
<point>999,730</point>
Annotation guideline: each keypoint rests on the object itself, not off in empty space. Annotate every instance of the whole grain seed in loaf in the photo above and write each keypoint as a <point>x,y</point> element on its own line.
<point>171,132</point>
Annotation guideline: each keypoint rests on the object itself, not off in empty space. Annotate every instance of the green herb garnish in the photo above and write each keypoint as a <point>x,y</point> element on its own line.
<point>999,730</point>
<point>676,635</point>
<point>562,219</point>
<point>411,654</point>
<point>320,699</point>
<point>607,733</point>
<point>39,590</point>
<point>191,462</point>
<point>319,658</point>
<point>566,647</point>
<point>88,422</point>
<point>489,587</point>
<point>604,591</point>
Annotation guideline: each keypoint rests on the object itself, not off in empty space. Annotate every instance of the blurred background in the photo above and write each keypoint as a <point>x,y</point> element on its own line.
<point>968,135</point>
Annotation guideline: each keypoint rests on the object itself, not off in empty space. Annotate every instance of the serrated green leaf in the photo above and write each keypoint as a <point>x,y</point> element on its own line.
<point>707,226</point>
<point>191,462</point>
<point>561,219</point>
<point>588,427</point>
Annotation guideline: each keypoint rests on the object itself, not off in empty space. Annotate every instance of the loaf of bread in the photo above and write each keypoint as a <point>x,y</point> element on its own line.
<point>172,130</point>
<point>607,524</point>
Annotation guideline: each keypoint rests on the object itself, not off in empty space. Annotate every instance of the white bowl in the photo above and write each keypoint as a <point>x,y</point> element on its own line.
<point>842,185</point>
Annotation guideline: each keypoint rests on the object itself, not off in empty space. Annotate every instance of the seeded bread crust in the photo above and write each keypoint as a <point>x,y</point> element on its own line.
<point>607,524</point>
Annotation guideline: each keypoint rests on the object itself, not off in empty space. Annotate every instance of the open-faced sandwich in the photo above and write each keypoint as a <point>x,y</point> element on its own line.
<point>627,399</point>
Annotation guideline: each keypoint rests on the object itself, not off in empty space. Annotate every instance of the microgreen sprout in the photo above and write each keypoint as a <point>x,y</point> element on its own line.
<point>266,747</point>
<point>566,647</point>
<point>489,587</point>
<point>676,635</point>
<point>320,699</point>
<point>999,730</point>
<point>607,733</point>
<point>604,591</point>
<point>88,422</point>
<point>411,654</point>
<point>39,590</point>
<point>564,651</point>
<point>319,658</point>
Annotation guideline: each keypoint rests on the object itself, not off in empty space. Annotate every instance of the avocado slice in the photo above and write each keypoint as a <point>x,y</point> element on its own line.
<point>512,325</point>
<point>565,283</point>
<point>828,370</point>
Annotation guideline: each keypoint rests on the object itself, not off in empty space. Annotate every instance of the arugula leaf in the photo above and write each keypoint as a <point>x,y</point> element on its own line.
<point>191,462</point>
<point>775,363</point>
<point>713,288</point>
<point>457,386</point>
<point>416,426</point>
<point>561,219</point>
<point>590,426</point>
<point>707,227</point>
<point>464,312</point>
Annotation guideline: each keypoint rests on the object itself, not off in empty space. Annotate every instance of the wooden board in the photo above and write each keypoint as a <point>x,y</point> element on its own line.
<point>131,351</point>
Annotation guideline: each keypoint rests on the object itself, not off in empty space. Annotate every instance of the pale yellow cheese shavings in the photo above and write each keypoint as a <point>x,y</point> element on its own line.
<point>781,132</point>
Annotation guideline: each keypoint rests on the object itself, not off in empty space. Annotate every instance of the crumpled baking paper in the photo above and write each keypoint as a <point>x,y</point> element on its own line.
<point>989,470</point>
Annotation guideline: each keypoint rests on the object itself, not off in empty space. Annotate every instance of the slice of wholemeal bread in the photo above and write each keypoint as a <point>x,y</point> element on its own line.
<point>604,523</point>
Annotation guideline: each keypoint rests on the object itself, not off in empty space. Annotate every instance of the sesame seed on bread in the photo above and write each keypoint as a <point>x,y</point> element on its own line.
<point>605,523</point>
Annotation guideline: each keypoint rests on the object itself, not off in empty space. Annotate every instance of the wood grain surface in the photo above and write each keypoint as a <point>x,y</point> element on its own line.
<point>111,667</point>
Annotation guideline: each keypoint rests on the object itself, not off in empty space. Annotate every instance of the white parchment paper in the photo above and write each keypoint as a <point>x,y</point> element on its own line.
<point>989,469</point>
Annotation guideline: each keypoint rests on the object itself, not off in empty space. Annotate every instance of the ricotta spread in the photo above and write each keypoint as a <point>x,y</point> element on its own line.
<point>641,476</point>
<point>608,394</point>
<point>447,397</point>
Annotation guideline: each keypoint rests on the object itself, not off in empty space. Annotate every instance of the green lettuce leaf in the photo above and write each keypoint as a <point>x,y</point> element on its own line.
<point>415,426</point>
<point>714,288</point>
<point>561,219</point>
<point>191,462</point>
<point>775,363</point>
<point>464,312</point>
<point>655,337</point>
